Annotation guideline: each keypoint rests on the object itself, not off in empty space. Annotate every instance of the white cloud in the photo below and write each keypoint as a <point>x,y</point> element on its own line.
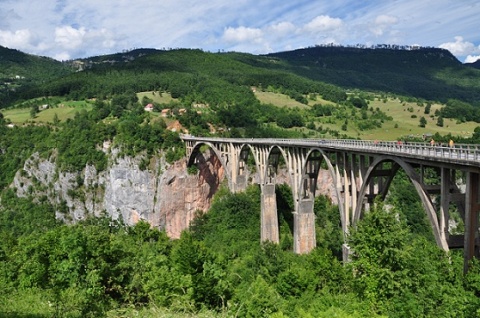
<point>242,34</point>
<point>382,24</point>
<point>68,37</point>
<point>20,39</point>
<point>472,58</point>
<point>282,28</point>
<point>386,20</point>
<point>460,47</point>
<point>323,23</point>
<point>92,27</point>
<point>63,56</point>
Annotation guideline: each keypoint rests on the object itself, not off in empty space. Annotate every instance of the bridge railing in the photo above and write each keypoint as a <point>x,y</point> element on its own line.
<point>460,152</point>
<point>468,152</point>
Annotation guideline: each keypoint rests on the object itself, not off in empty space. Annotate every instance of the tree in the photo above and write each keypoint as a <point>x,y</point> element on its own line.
<point>423,122</point>
<point>34,111</point>
<point>440,121</point>
<point>427,108</point>
<point>56,120</point>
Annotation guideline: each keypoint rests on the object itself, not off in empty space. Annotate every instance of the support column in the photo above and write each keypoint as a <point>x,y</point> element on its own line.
<point>269,219</point>
<point>470,249</point>
<point>444,203</point>
<point>241,183</point>
<point>304,238</point>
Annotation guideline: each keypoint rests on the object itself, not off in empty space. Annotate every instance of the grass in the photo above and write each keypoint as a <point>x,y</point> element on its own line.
<point>157,97</point>
<point>280,100</point>
<point>404,125</point>
<point>31,303</point>
<point>63,110</point>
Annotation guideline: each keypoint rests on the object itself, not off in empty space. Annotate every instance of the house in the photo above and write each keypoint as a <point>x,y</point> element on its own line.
<point>148,107</point>
<point>166,112</point>
<point>182,111</point>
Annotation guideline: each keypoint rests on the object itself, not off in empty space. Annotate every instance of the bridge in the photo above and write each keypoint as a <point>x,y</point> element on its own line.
<point>362,172</point>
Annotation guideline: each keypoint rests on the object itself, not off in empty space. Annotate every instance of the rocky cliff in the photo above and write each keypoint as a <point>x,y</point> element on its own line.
<point>164,195</point>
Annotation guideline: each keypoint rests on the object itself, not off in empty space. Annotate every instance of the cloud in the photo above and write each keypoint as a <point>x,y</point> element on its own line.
<point>92,27</point>
<point>20,39</point>
<point>68,37</point>
<point>242,34</point>
<point>472,58</point>
<point>382,24</point>
<point>386,20</point>
<point>282,28</point>
<point>64,56</point>
<point>460,47</point>
<point>323,23</point>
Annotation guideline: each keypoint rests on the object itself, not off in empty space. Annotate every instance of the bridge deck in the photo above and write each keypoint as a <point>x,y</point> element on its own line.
<point>462,154</point>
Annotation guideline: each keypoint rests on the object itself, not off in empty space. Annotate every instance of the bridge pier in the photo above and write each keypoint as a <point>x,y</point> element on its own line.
<point>269,219</point>
<point>304,237</point>
<point>240,183</point>
<point>472,207</point>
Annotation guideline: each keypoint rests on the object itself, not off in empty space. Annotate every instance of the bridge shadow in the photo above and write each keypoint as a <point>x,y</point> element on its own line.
<point>285,208</point>
<point>212,179</point>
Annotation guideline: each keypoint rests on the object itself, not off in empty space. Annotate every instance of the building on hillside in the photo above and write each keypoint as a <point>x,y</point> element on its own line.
<point>148,107</point>
<point>166,112</point>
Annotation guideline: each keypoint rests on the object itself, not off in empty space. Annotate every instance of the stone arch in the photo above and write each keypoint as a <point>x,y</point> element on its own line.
<point>285,157</point>
<point>325,158</point>
<point>220,157</point>
<point>417,183</point>
<point>337,189</point>
<point>252,151</point>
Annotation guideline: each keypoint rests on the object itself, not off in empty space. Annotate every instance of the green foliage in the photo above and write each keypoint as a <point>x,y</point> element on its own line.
<point>16,145</point>
<point>460,110</point>
<point>423,122</point>
<point>328,226</point>
<point>192,170</point>
<point>440,121</point>
<point>398,273</point>
<point>231,216</point>
<point>77,144</point>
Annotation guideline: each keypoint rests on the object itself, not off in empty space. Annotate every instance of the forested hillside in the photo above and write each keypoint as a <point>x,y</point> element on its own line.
<point>429,73</point>
<point>24,71</point>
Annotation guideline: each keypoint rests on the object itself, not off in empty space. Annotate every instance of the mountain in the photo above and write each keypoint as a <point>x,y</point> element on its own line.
<point>475,64</point>
<point>426,73</point>
<point>429,73</point>
<point>19,70</point>
<point>110,59</point>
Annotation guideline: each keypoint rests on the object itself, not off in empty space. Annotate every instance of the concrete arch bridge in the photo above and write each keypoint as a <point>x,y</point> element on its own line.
<point>361,171</point>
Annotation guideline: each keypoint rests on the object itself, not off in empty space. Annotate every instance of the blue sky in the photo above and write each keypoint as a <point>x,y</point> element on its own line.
<point>68,29</point>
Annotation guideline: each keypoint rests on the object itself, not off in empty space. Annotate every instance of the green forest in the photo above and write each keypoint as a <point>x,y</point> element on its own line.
<point>99,267</point>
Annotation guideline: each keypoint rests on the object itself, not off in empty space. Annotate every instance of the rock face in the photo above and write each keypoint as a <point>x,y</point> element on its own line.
<point>164,195</point>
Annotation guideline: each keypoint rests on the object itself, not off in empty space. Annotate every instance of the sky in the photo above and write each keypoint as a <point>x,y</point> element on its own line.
<point>70,29</point>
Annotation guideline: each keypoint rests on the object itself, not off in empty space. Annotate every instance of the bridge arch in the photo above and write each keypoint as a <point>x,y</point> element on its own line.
<point>221,156</point>
<point>417,183</point>
<point>306,171</point>
<point>271,165</point>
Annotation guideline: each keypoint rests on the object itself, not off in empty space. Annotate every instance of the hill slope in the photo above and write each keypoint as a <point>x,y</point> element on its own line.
<point>429,73</point>
<point>19,70</point>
